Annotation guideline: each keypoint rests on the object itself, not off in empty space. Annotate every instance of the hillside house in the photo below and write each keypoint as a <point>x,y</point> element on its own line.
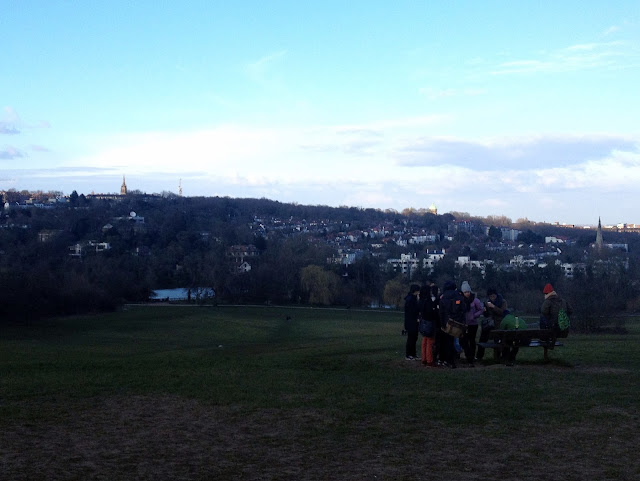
<point>521,261</point>
<point>555,240</point>
<point>47,234</point>
<point>243,267</point>
<point>239,253</point>
<point>78,250</point>
<point>509,234</point>
<point>463,261</point>
<point>407,264</point>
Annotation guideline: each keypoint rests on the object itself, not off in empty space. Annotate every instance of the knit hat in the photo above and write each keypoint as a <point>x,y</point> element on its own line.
<point>465,287</point>
<point>547,289</point>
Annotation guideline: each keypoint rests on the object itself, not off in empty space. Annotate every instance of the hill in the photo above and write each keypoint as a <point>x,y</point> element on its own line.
<point>89,253</point>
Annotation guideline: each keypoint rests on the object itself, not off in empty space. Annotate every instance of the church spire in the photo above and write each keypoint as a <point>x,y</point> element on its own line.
<point>599,235</point>
<point>123,188</point>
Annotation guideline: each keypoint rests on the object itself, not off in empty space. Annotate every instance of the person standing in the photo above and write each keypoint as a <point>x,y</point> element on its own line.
<point>474,310</point>
<point>550,309</point>
<point>494,310</point>
<point>451,307</point>
<point>429,310</point>
<point>411,315</point>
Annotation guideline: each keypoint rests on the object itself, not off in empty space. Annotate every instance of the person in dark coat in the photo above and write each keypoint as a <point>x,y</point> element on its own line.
<point>494,311</point>
<point>551,308</point>
<point>411,320</point>
<point>429,303</point>
<point>449,296</point>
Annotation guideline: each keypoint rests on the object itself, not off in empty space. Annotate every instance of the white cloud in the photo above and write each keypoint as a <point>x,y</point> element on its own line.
<point>572,58</point>
<point>510,152</point>
<point>10,153</point>
<point>611,30</point>
<point>383,164</point>
<point>374,153</point>
<point>10,122</point>
<point>259,68</point>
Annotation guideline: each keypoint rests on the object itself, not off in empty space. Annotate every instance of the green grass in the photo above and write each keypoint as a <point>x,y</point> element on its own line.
<point>347,366</point>
<point>340,360</point>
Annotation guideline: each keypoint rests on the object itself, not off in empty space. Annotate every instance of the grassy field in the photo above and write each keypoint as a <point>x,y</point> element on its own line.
<point>179,392</point>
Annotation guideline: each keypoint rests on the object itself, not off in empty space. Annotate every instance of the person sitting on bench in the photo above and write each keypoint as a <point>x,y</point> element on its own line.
<point>494,310</point>
<point>510,322</point>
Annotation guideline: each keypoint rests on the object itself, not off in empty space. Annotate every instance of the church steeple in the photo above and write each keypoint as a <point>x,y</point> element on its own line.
<point>123,188</point>
<point>599,235</point>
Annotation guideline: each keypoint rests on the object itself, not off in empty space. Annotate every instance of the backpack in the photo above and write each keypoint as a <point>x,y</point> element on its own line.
<point>458,308</point>
<point>426,328</point>
<point>563,319</point>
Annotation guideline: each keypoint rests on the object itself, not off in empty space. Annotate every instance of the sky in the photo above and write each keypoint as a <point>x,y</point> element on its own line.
<point>522,109</point>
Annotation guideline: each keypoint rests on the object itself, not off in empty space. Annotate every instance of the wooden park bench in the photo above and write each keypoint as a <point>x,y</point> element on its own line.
<point>502,338</point>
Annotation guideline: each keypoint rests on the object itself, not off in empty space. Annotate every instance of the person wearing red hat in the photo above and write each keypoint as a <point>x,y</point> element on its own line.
<point>551,307</point>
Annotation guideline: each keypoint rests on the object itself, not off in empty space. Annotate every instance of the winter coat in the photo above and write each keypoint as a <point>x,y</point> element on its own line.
<point>430,310</point>
<point>552,305</point>
<point>497,312</point>
<point>475,310</point>
<point>448,297</point>
<point>512,322</point>
<point>411,313</point>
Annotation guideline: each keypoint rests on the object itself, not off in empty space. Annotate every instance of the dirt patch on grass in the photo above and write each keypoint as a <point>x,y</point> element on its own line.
<point>170,438</point>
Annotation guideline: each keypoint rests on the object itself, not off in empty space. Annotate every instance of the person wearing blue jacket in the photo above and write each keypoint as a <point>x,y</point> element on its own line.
<point>411,320</point>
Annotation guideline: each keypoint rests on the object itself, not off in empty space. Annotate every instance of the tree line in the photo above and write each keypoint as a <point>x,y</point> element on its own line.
<point>183,242</point>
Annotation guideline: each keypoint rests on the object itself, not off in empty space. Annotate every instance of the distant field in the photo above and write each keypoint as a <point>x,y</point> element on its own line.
<point>170,392</point>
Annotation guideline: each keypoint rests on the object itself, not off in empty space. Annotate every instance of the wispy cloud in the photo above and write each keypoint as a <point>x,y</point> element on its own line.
<point>611,30</point>
<point>12,124</point>
<point>7,128</point>
<point>10,153</point>
<point>40,148</point>
<point>519,153</point>
<point>572,58</point>
<point>258,69</point>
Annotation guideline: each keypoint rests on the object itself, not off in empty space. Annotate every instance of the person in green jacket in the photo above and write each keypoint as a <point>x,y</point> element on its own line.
<point>510,322</point>
<point>513,322</point>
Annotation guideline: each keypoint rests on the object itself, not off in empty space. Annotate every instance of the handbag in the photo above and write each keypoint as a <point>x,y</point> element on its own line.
<point>426,328</point>
<point>487,323</point>
<point>454,328</point>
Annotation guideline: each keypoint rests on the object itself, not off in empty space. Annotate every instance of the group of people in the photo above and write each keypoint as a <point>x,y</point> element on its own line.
<point>462,307</point>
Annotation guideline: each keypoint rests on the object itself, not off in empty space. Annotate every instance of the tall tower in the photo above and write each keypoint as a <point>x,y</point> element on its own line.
<point>180,187</point>
<point>123,188</point>
<point>599,235</point>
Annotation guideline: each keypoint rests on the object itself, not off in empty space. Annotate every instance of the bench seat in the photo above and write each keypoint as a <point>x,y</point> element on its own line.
<point>501,338</point>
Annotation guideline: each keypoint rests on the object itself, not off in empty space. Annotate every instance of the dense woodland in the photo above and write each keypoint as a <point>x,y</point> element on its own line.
<point>184,241</point>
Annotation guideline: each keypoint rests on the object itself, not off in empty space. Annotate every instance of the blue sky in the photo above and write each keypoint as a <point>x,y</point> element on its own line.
<point>524,109</point>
